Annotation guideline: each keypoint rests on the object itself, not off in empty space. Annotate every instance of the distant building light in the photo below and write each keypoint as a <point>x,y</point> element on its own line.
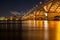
<point>11,18</point>
<point>17,19</point>
<point>40,2</point>
<point>2,18</point>
<point>36,5</point>
<point>6,19</point>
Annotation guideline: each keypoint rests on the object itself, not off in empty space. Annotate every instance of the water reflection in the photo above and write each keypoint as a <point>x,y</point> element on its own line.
<point>54,30</point>
<point>33,25</point>
<point>32,35</point>
<point>32,30</point>
<point>39,32</point>
<point>10,35</point>
<point>58,31</point>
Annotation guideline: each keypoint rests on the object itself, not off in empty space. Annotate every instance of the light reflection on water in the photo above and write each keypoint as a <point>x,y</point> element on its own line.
<point>32,24</point>
<point>35,30</point>
<point>32,35</point>
<point>38,34</point>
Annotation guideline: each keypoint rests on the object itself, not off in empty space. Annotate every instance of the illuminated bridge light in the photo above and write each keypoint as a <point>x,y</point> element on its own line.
<point>46,8</point>
<point>54,7</point>
<point>58,9</point>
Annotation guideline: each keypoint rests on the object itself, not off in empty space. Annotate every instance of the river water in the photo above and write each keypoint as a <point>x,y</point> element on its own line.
<point>33,30</point>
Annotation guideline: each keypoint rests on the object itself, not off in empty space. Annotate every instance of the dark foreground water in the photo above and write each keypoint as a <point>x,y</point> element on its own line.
<point>10,35</point>
<point>27,35</point>
<point>22,35</point>
<point>30,30</point>
<point>32,35</point>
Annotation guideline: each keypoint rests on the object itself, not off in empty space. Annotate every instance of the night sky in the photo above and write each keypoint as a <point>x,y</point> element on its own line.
<point>17,5</point>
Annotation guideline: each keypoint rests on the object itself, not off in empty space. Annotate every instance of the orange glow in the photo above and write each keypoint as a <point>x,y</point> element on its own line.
<point>58,9</point>
<point>53,8</point>
<point>2,18</point>
<point>51,24</point>
<point>58,31</point>
<point>17,19</point>
<point>11,18</point>
<point>6,19</point>
<point>39,24</point>
<point>47,6</point>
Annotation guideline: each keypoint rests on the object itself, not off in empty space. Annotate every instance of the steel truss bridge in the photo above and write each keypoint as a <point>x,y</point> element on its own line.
<point>47,11</point>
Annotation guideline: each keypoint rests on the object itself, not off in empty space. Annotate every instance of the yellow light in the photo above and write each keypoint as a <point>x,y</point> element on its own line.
<point>58,9</point>
<point>16,18</point>
<point>6,19</point>
<point>46,7</point>
<point>58,31</point>
<point>2,18</point>
<point>53,8</point>
<point>11,18</point>
<point>39,24</point>
<point>51,24</point>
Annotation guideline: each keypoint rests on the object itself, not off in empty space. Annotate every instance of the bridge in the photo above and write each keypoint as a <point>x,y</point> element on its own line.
<point>49,11</point>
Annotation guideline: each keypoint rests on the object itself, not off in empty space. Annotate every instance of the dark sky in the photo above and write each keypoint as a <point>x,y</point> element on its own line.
<point>17,5</point>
